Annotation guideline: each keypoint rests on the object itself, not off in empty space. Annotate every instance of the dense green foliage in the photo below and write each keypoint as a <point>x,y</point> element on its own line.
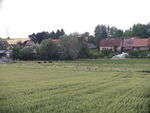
<point>47,50</point>
<point>137,30</point>
<point>139,54</point>
<point>103,31</point>
<point>88,86</point>
<point>95,54</point>
<point>16,53</point>
<point>39,37</point>
<point>74,46</point>
<point>141,30</point>
<point>68,48</point>
<point>28,53</point>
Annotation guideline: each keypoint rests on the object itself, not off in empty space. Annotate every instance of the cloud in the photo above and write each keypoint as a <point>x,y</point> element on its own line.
<point>1,2</point>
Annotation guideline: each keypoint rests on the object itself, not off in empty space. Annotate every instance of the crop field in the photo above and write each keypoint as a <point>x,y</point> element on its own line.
<point>84,86</point>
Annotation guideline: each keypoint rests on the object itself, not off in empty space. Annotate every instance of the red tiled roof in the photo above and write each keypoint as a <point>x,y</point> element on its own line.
<point>136,42</point>
<point>111,42</point>
<point>56,41</point>
<point>30,43</point>
<point>131,42</point>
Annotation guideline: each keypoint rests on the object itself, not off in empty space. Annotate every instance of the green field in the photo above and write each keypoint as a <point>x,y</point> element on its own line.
<point>87,86</point>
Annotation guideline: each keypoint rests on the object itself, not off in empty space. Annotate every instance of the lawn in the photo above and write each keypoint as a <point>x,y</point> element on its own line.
<point>85,86</point>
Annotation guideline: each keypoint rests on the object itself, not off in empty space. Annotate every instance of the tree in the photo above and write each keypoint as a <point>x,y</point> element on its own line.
<point>53,35</point>
<point>28,53</point>
<point>62,33</point>
<point>148,29</point>
<point>128,33</point>
<point>39,37</point>
<point>16,53</point>
<point>58,34</point>
<point>100,33</point>
<point>47,49</point>
<point>70,48</point>
<point>92,39</point>
<point>113,32</point>
<point>139,30</point>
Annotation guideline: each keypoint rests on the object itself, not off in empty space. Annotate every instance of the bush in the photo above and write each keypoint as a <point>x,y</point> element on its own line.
<point>139,54</point>
<point>28,53</point>
<point>69,48</point>
<point>47,50</point>
<point>94,54</point>
<point>16,53</point>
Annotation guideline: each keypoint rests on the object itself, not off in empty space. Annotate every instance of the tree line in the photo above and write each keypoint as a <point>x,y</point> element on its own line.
<point>74,45</point>
<point>100,32</point>
<point>68,48</point>
<point>39,37</point>
<point>137,30</point>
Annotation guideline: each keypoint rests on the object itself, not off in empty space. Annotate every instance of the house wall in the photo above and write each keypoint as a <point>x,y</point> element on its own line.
<point>130,44</point>
<point>119,48</point>
<point>141,48</point>
<point>110,48</point>
<point>106,48</point>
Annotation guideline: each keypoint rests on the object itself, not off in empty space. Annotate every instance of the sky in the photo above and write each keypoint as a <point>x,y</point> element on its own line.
<point>20,18</point>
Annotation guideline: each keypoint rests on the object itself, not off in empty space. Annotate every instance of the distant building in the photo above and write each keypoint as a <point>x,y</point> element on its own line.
<point>15,41</point>
<point>91,46</point>
<point>29,43</point>
<point>2,53</point>
<point>136,44</point>
<point>56,41</point>
<point>113,44</point>
<point>5,53</point>
<point>123,44</point>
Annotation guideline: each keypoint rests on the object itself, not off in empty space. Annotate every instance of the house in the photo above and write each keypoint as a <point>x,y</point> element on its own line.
<point>125,44</point>
<point>91,46</point>
<point>29,43</point>
<point>2,53</point>
<point>114,44</point>
<point>5,53</point>
<point>56,41</point>
<point>136,44</point>
<point>13,42</point>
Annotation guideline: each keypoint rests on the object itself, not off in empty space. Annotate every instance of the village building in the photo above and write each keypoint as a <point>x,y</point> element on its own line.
<point>136,44</point>
<point>91,46</point>
<point>56,41</point>
<point>2,53</point>
<point>13,42</point>
<point>29,43</point>
<point>125,44</point>
<point>114,44</point>
<point>5,53</point>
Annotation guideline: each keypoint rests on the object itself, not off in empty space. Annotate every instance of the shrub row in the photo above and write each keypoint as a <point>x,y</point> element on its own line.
<point>67,49</point>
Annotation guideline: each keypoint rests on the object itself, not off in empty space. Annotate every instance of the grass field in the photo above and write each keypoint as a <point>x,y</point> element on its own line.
<point>87,86</point>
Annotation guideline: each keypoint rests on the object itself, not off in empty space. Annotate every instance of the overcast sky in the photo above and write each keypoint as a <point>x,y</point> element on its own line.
<point>19,18</point>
